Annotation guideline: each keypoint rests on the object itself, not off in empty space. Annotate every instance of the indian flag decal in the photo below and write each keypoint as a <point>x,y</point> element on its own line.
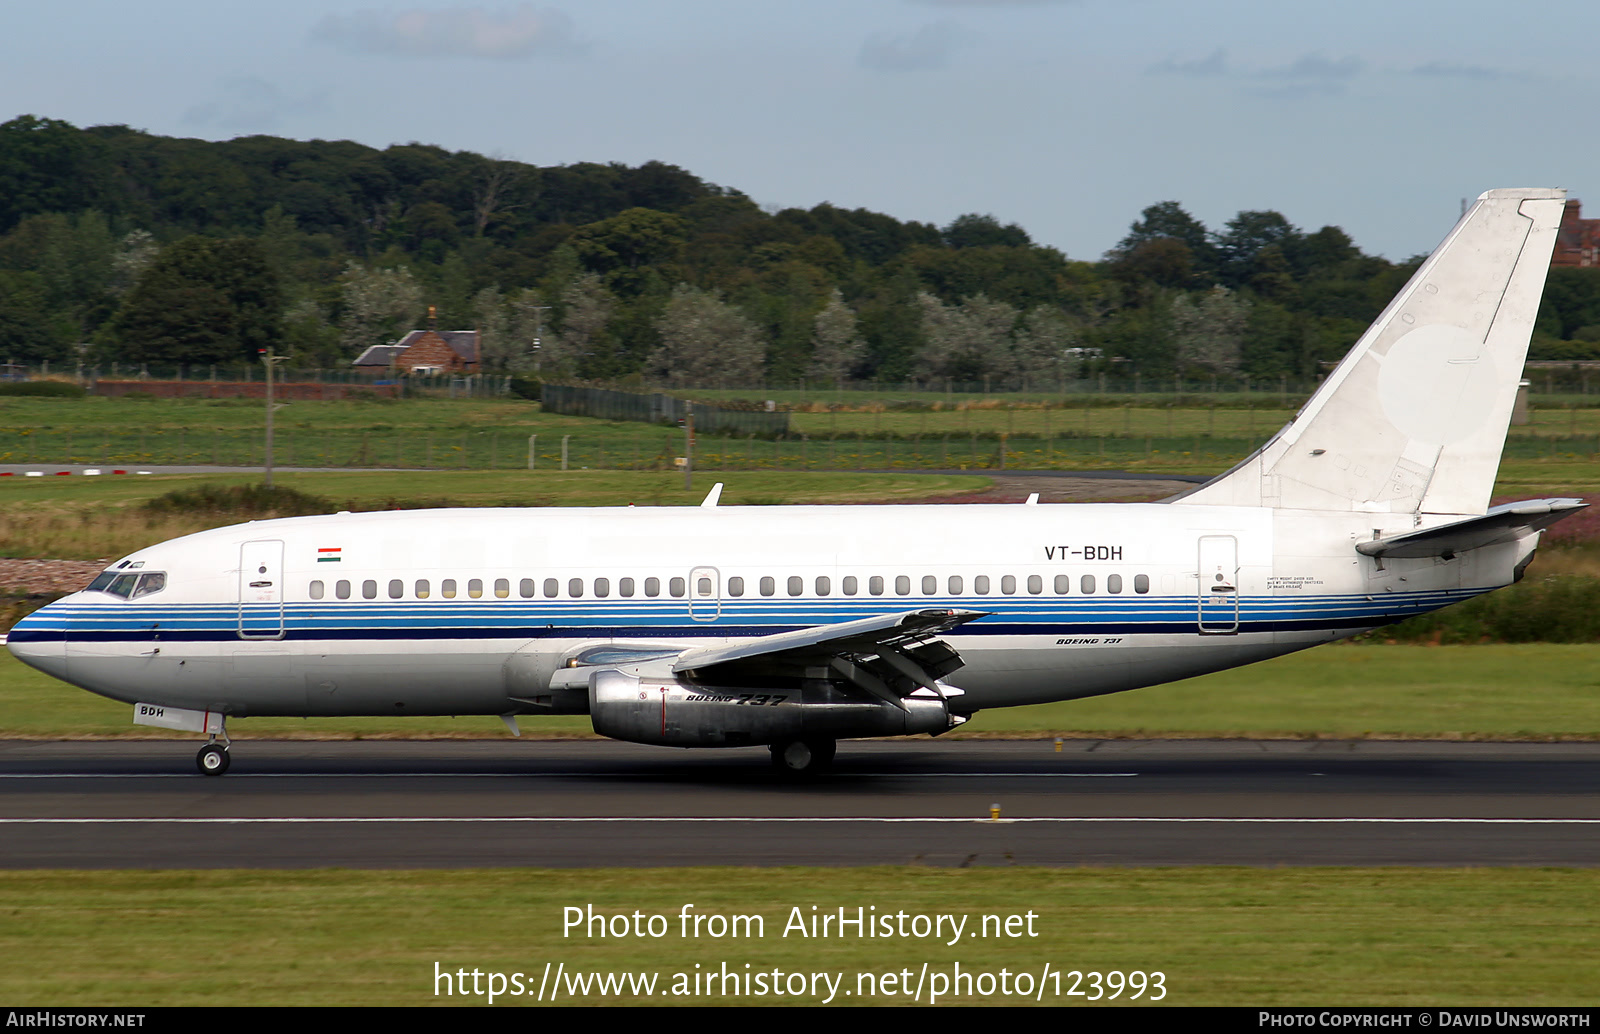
<point>329,555</point>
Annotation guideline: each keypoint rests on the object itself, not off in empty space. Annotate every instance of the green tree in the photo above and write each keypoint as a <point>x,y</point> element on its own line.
<point>983,231</point>
<point>46,165</point>
<point>706,341</point>
<point>1208,329</point>
<point>1168,222</point>
<point>379,305</point>
<point>201,301</point>
<point>968,341</point>
<point>621,246</point>
<point>26,334</point>
<point>836,346</point>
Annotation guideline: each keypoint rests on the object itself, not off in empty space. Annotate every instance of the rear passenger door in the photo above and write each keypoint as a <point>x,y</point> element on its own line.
<point>1218,601</point>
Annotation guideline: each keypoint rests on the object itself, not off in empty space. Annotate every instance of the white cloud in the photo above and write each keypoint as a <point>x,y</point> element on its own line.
<point>471,32</point>
<point>250,105</point>
<point>928,47</point>
<point>1453,70</point>
<point>991,3</point>
<point>1214,64</point>
<point>1317,67</point>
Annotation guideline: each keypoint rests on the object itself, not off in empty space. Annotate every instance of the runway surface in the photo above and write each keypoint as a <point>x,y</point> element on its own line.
<point>514,803</point>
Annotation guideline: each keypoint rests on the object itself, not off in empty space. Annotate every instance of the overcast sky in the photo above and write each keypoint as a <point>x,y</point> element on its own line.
<point>1066,116</point>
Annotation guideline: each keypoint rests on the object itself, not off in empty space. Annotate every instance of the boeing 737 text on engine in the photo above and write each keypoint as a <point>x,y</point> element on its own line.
<point>794,627</point>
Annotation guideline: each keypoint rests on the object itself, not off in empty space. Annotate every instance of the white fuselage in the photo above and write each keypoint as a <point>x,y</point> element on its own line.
<point>472,611</point>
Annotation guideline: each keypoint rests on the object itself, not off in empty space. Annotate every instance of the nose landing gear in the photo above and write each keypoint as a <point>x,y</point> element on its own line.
<point>213,759</point>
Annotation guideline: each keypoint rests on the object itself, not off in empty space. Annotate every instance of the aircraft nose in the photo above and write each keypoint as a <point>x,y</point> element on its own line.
<point>40,641</point>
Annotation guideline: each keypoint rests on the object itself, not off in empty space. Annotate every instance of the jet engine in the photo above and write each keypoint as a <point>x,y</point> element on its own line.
<point>673,712</point>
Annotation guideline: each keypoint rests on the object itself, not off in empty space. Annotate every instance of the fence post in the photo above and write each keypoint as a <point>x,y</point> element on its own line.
<point>531,454</point>
<point>564,439</point>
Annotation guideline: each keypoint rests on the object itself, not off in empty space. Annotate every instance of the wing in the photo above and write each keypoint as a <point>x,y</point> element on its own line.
<point>887,657</point>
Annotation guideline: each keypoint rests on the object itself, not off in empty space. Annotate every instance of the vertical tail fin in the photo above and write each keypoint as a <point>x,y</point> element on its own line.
<point>1414,418</point>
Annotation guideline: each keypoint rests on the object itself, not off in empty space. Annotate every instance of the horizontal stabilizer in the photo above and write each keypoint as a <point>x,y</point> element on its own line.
<point>1505,523</point>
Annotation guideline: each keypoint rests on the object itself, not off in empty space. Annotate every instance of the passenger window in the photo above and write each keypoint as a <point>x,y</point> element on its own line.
<point>342,590</point>
<point>735,586</point>
<point>502,587</point>
<point>369,589</point>
<point>980,585</point>
<point>652,587</point>
<point>1113,583</point>
<point>824,585</point>
<point>1035,584</point>
<point>1141,583</point>
<point>875,585</point>
<point>397,588</point>
<point>956,585</point>
<point>930,585</point>
<point>316,590</point>
<point>447,588</point>
<point>552,588</point>
<point>702,586</point>
<point>422,588</point>
<point>625,587</point>
<point>1008,585</point>
<point>768,585</point>
<point>676,586</point>
<point>850,588</point>
<point>1086,583</point>
<point>602,587</point>
<point>902,585</point>
<point>575,587</point>
<point>475,588</point>
<point>1063,584</point>
<point>526,589</point>
<point>797,585</point>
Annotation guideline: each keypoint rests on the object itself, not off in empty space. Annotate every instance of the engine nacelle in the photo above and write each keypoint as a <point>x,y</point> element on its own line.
<point>671,713</point>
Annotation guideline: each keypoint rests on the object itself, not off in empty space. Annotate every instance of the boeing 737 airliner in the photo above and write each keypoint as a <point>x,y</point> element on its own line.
<point>794,627</point>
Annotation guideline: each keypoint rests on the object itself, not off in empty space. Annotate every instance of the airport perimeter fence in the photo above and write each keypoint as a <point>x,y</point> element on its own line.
<point>653,449</point>
<point>1551,383</point>
<point>248,380</point>
<point>659,408</point>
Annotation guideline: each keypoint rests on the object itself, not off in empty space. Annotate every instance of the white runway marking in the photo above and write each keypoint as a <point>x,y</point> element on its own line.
<point>527,819</point>
<point>532,775</point>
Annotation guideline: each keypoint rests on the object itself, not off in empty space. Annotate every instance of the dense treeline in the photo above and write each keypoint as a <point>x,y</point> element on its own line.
<point>116,244</point>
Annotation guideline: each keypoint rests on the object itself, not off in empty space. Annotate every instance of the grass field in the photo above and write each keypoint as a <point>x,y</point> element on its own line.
<point>1218,936</point>
<point>964,431</point>
<point>1536,691</point>
<point>86,518</point>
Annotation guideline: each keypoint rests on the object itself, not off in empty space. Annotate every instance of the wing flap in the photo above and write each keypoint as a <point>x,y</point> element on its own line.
<point>866,635</point>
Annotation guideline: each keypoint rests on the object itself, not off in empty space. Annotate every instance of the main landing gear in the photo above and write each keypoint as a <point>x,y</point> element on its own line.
<point>803,757</point>
<point>213,758</point>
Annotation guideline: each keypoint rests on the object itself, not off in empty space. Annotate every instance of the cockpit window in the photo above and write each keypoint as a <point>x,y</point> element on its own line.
<point>129,586</point>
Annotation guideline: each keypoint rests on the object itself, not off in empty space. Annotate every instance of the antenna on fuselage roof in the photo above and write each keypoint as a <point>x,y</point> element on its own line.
<point>711,499</point>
